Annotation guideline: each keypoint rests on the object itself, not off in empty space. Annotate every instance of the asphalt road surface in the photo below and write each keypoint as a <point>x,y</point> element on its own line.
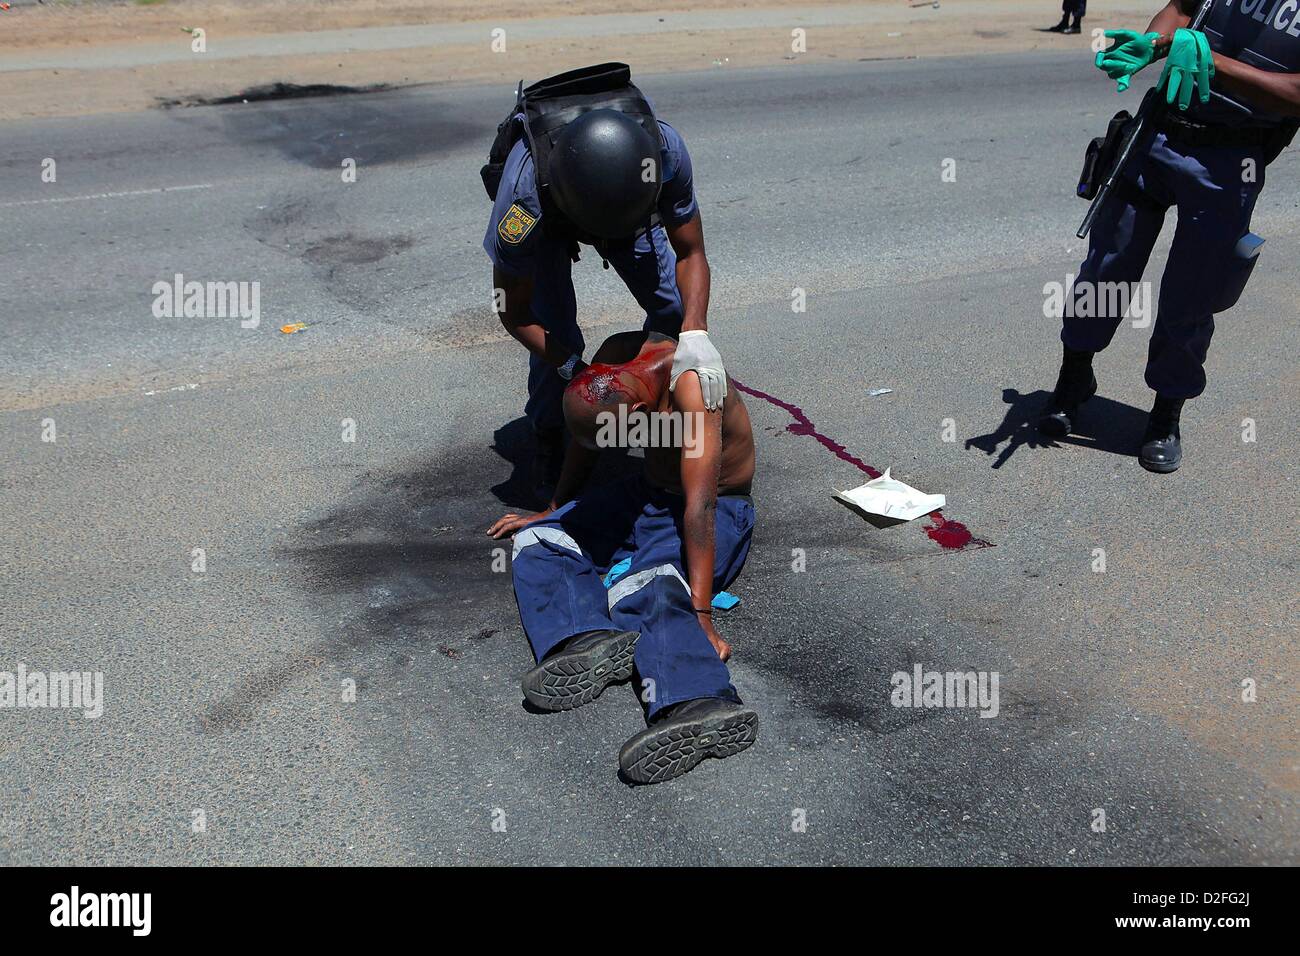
<point>225,736</point>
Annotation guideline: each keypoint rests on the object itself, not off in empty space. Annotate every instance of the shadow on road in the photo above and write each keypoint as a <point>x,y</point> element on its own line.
<point>1104,425</point>
<point>514,442</point>
<point>401,567</point>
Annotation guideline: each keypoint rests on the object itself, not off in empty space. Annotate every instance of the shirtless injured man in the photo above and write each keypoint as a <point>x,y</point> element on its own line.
<point>675,535</point>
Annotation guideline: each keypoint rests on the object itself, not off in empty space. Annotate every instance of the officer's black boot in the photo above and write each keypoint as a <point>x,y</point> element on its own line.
<point>547,461</point>
<point>1162,448</point>
<point>1074,386</point>
<point>1062,26</point>
<point>1075,27</point>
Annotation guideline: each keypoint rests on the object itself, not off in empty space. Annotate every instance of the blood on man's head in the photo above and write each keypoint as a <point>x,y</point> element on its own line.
<point>597,389</point>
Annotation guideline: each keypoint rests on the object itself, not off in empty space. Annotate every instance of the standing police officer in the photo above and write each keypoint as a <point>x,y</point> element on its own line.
<point>1072,13</point>
<point>1206,157</point>
<point>583,160</point>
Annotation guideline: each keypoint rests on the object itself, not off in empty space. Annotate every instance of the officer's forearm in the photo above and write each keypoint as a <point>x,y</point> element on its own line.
<point>1166,22</point>
<point>1278,92</point>
<point>687,240</point>
<point>512,298</point>
<point>537,340</point>
<point>693,279</point>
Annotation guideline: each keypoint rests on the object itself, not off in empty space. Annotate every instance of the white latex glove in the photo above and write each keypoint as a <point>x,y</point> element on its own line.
<point>695,352</point>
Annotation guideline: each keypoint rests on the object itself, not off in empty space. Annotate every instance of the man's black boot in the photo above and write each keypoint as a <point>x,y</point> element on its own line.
<point>1062,26</point>
<point>548,458</point>
<point>1075,27</point>
<point>580,669</point>
<point>1162,447</point>
<point>1074,386</point>
<point>682,735</point>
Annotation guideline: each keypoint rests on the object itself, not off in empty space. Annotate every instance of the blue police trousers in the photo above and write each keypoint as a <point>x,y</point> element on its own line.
<point>647,266</point>
<point>1215,190</point>
<point>559,563</point>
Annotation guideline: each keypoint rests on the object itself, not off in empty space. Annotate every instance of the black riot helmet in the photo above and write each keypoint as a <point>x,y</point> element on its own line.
<point>605,174</point>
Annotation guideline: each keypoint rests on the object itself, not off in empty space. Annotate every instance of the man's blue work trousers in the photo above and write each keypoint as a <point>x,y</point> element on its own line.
<point>559,564</point>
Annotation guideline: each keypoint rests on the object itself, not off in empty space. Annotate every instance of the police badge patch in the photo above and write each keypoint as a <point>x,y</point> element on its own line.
<point>516,224</point>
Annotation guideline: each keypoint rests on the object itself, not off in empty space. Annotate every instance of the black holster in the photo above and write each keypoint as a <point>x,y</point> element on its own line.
<point>1099,158</point>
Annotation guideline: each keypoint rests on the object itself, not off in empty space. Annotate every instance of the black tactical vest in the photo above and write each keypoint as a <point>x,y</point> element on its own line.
<point>542,110</point>
<point>1264,34</point>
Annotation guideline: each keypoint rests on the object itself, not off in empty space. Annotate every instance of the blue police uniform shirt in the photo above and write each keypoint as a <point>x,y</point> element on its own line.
<point>1264,34</point>
<point>515,229</point>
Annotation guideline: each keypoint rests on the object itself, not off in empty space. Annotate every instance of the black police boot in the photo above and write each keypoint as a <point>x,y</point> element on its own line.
<point>547,461</point>
<point>1162,446</point>
<point>582,667</point>
<point>1075,27</point>
<point>1074,386</point>
<point>1062,26</point>
<point>682,735</point>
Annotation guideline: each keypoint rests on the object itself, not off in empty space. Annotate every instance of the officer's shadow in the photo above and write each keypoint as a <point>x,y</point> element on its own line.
<point>514,442</point>
<point>1103,425</point>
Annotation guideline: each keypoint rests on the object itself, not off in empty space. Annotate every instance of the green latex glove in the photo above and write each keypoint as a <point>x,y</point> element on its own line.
<point>1132,51</point>
<point>1190,63</point>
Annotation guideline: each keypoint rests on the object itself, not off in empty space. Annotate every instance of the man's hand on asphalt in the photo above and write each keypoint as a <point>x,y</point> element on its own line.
<point>510,523</point>
<point>1132,51</point>
<point>696,352</point>
<point>719,645</point>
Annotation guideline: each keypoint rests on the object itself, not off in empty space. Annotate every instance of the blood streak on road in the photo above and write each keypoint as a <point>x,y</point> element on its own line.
<point>948,534</point>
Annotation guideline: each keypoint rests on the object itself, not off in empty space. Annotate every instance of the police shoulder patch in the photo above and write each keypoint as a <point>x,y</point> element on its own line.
<point>516,224</point>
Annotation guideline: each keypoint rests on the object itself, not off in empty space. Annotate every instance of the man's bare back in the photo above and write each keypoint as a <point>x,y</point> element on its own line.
<point>648,357</point>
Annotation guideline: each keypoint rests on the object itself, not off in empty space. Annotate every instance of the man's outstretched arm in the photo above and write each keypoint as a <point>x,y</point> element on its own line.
<point>578,465</point>
<point>701,463</point>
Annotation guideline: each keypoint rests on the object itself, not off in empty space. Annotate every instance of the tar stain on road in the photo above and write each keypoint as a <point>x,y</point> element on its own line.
<point>335,251</point>
<point>373,130</point>
<point>401,571</point>
<point>273,91</point>
<point>343,258</point>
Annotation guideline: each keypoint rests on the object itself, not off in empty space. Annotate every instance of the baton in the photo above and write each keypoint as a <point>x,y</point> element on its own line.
<point>1149,105</point>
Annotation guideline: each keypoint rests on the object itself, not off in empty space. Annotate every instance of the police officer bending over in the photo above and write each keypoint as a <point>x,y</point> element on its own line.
<point>1231,95</point>
<point>582,159</point>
